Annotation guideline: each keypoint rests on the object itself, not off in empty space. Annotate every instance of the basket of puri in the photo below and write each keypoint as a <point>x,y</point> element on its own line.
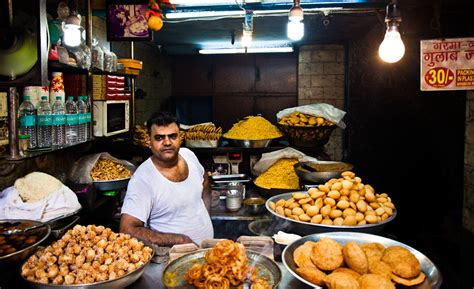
<point>306,130</point>
<point>226,265</point>
<point>342,204</point>
<point>253,132</point>
<point>88,257</point>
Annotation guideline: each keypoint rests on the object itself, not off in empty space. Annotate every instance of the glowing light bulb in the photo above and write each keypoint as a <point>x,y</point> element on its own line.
<point>72,35</point>
<point>392,48</point>
<point>295,30</point>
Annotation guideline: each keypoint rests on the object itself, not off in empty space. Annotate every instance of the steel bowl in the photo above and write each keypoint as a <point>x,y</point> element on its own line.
<point>16,257</point>
<point>307,136</point>
<point>270,192</point>
<point>433,275</point>
<point>173,274</point>
<point>248,143</point>
<point>111,185</point>
<point>309,171</point>
<point>120,282</point>
<point>254,205</point>
<point>307,228</point>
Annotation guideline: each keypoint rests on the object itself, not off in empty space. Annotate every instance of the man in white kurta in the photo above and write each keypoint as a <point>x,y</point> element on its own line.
<point>168,197</point>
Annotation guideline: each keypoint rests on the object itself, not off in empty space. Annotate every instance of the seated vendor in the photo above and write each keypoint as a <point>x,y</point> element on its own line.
<point>168,198</point>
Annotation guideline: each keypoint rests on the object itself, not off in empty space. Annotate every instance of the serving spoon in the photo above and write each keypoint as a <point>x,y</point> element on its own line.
<point>24,230</point>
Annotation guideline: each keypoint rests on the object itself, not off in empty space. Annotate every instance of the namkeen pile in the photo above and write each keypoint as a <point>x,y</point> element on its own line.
<point>204,132</point>
<point>36,186</point>
<point>345,201</point>
<point>107,170</point>
<point>356,266</point>
<point>280,175</point>
<point>226,264</point>
<point>86,255</point>
<point>301,119</point>
<point>253,128</point>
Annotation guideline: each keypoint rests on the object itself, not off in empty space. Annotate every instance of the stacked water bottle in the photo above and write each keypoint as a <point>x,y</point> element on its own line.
<point>58,125</point>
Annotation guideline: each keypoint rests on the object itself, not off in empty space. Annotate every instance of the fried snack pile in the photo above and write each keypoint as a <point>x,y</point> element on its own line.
<point>280,175</point>
<point>226,264</point>
<point>367,266</point>
<point>86,255</point>
<point>342,202</point>
<point>301,119</point>
<point>253,128</point>
<point>140,136</point>
<point>108,170</point>
<point>204,132</point>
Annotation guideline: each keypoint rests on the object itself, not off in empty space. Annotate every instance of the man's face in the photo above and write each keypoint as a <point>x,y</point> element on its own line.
<point>164,142</point>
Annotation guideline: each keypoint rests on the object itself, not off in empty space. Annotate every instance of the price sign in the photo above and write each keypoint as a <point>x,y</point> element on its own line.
<point>447,64</point>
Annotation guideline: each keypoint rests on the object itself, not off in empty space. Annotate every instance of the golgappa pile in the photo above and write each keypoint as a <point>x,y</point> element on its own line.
<point>356,266</point>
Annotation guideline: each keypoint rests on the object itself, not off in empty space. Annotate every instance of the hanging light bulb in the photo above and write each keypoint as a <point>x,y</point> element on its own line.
<point>247,33</point>
<point>392,48</point>
<point>295,29</point>
<point>72,31</point>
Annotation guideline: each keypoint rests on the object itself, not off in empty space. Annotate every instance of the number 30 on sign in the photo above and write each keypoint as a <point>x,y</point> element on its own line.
<point>439,77</point>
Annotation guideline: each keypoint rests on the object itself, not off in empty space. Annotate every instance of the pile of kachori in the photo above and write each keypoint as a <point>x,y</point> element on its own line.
<point>343,201</point>
<point>356,266</point>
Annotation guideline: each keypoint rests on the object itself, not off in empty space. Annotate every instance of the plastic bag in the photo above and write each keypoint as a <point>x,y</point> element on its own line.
<point>325,110</point>
<point>97,55</point>
<point>268,159</point>
<point>80,173</point>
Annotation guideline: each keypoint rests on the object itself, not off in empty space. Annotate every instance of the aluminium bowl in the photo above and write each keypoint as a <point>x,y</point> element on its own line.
<point>317,176</point>
<point>16,257</point>
<point>270,192</point>
<point>307,228</point>
<point>254,205</point>
<point>249,143</point>
<point>433,278</point>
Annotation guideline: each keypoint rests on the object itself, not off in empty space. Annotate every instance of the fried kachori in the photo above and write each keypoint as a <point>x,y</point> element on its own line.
<point>381,268</point>
<point>409,281</point>
<point>373,251</point>
<point>348,271</point>
<point>302,255</point>
<point>402,261</point>
<point>374,281</point>
<point>341,280</point>
<point>355,258</point>
<point>312,274</point>
<point>327,254</point>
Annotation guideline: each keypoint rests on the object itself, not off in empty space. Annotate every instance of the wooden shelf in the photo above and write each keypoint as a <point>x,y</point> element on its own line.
<point>61,67</point>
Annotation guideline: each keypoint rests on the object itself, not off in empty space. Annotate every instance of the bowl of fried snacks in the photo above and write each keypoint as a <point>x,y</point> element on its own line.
<point>343,204</point>
<point>203,135</point>
<point>108,174</point>
<point>253,132</point>
<point>226,265</point>
<point>359,260</point>
<point>321,171</point>
<point>88,257</point>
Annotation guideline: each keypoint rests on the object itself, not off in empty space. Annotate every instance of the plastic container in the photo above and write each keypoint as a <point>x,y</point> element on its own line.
<point>59,123</point>
<point>71,121</point>
<point>45,122</point>
<point>28,121</point>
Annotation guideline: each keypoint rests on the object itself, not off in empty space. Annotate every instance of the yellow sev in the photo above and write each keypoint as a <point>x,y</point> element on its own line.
<point>280,175</point>
<point>253,128</point>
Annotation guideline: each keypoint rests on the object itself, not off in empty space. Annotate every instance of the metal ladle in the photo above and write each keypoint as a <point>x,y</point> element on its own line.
<point>24,230</point>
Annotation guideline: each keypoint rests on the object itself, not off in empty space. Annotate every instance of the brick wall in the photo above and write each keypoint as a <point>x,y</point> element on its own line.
<point>321,80</point>
<point>468,207</point>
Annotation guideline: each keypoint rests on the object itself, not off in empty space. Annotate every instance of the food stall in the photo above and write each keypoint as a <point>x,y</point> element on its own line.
<point>371,178</point>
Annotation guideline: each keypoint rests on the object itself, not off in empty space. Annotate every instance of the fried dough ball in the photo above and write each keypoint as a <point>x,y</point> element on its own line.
<point>402,261</point>
<point>409,281</point>
<point>327,254</point>
<point>302,255</point>
<point>348,271</point>
<point>373,281</point>
<point>355,258</point>
<point>373,251</point>
<point>312,274</point>
<point>341,280</point>
<point>380,268</point>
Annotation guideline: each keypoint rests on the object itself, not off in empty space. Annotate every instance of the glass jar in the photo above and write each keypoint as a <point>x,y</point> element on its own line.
<point>234,196</point>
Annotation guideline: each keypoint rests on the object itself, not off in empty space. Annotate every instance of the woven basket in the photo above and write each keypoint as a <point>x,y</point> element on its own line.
<point>306,136</point>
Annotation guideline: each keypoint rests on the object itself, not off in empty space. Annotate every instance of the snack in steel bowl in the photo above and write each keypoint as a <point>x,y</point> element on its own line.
<point>108,170</point>
<point>253,128</point>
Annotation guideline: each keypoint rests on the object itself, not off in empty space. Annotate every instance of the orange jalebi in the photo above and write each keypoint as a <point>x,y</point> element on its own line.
<point>226,264</point>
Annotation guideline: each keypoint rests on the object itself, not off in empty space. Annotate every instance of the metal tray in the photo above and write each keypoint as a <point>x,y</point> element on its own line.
<point>236,178</point>
<point>18,256</point>
<point>318,177</point>
<point>120,282</point>
<point>268,193</point>
<point>433,275</point>
<point>265,267</point>
<point>307,228</point>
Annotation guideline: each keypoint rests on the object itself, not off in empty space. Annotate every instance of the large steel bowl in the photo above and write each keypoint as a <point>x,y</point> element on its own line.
<point>307,228</point>
<point>306,171</point>
<point>270,192</point>
<point>16,257</point>
<point>433,275</point>
<point>173,274</point>
<point>248,143</point>
<point>120,282</point>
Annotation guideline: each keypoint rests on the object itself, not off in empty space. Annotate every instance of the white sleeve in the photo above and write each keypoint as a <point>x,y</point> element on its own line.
<point>138,200</point>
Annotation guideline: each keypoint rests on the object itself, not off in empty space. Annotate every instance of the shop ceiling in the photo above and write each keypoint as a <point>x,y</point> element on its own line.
<point>326,21</point>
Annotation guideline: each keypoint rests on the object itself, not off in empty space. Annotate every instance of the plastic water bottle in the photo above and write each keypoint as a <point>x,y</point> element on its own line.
<point>45,121</point>
<point>82,119</point>
<point>71,121</point>
<point>59,123</point>
<point>88,117</point>
<point>28,121</point>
